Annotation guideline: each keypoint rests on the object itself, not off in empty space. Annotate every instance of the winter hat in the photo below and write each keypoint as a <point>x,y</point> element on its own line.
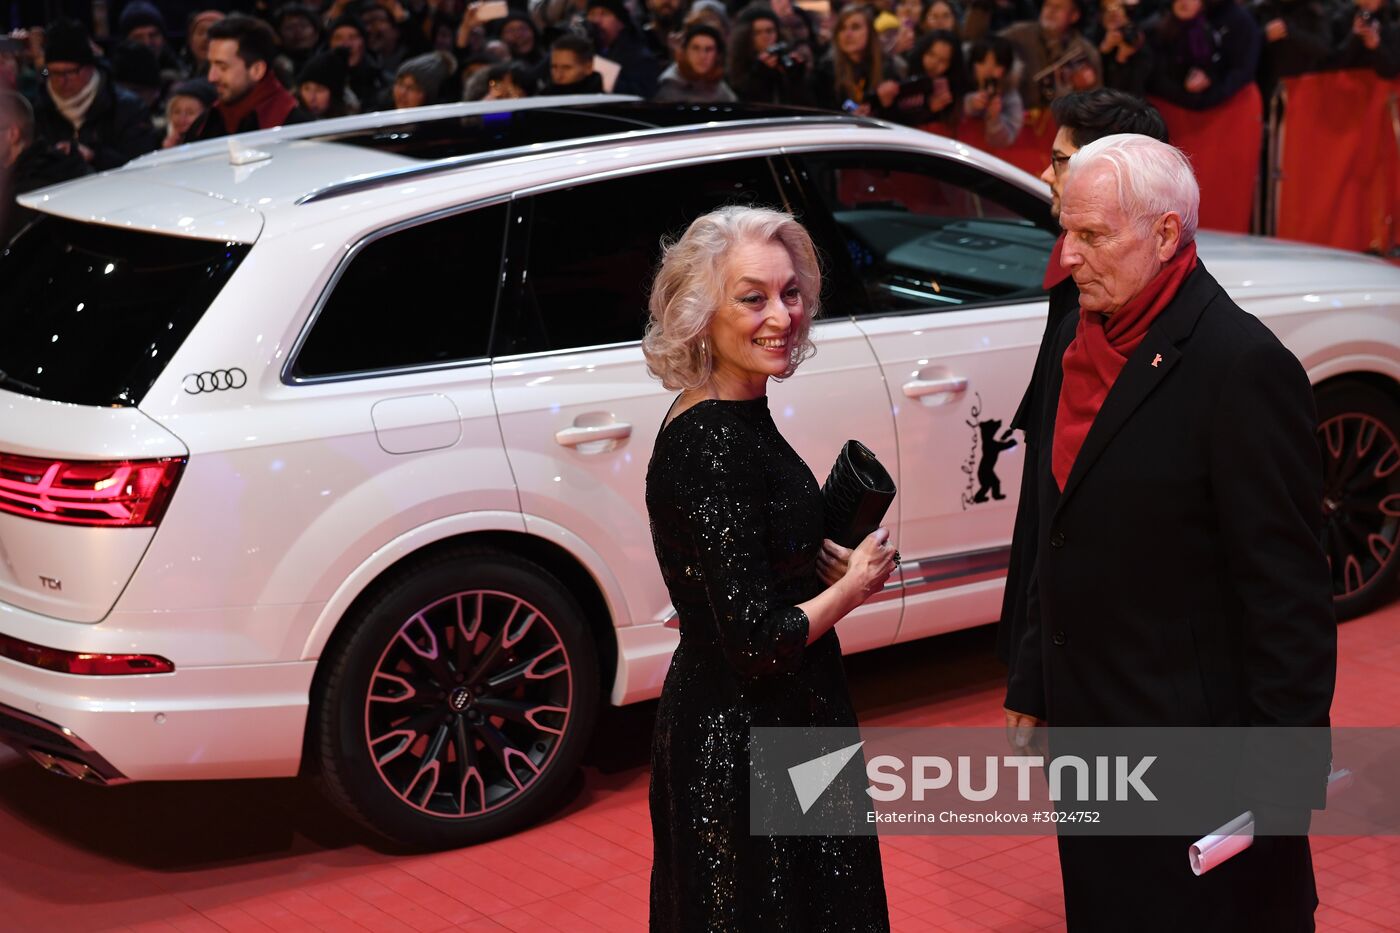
<point>136,64</point>
<point>139,13</point>
<point>296,9</point>
<point>429,70</point>
<point>715,7</point>
<point>329,69</point>
<point>67,41</point>
<point>616,8</point>
<point>348,20</point>
<point>199,89</point>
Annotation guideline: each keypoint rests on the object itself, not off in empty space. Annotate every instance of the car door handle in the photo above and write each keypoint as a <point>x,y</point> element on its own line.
<point>948,385</point>
<point>572,437</point>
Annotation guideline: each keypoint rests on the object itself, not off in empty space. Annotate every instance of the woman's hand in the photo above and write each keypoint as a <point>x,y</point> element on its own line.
<point>887,92</point>
<point>939,101</point>
<point>832,562</point>
<point>1275,29</point>
<point>1197,81</point>
<point>871,564</point>
<point>994,108</point>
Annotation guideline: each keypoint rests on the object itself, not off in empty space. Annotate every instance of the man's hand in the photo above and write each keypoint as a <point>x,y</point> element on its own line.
<point>1275,29</point>
<point>1020,729</point>
<point>1197,81</point>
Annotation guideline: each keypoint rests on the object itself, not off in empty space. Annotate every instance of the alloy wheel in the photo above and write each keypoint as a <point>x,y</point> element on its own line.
<point>1361,505</point>
<point>468,703</point>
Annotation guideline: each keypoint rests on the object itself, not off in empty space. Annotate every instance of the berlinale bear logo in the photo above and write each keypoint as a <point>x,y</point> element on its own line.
<point>982,474</point>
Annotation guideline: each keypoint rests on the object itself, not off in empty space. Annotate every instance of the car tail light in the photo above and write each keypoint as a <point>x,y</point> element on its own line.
<point>78,662</point>
<point>86,492</point>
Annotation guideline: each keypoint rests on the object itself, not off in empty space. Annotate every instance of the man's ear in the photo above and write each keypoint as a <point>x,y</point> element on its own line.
<point>257,70</point>
<point>1168,236</point>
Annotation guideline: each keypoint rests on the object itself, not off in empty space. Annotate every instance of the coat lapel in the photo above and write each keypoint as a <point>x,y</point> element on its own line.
<point>1156,356</point>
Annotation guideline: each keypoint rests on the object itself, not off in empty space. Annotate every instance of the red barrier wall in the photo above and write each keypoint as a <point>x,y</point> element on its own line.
<point>1031,150</point>
<point>1340,165</point>
<point>1223,145</point>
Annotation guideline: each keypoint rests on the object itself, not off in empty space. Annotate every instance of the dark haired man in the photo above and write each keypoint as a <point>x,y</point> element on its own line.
<point>241,52</point>
<point>1082,118</point>
<point>571,68</point>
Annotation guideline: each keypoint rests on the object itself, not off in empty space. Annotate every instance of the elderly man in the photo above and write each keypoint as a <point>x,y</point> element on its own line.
<point>1180,579</point>
<point>1082,118</point>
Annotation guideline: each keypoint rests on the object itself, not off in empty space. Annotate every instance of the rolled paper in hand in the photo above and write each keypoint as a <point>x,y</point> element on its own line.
<point>1238,834</point>
<point>1226,842</point>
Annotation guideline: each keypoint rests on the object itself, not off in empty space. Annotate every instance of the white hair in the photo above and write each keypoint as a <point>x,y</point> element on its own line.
<point>1153,178</point>
<point>690,284</point>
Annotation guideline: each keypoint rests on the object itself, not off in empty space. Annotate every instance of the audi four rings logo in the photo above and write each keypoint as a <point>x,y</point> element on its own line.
<point>219,380</point>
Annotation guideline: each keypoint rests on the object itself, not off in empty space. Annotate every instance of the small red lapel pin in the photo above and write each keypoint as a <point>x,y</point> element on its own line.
<point>1156,359</point>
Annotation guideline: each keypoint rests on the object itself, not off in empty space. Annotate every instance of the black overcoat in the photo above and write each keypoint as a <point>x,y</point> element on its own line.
<point>1180,580</point>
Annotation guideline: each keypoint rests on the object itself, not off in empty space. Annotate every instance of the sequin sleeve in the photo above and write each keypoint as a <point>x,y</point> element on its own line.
<point>726,509</point>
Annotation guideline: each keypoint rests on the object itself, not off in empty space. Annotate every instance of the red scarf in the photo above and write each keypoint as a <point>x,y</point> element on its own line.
<point>1098,353</point>
<point>1054,272</point>
<point>268,97</point>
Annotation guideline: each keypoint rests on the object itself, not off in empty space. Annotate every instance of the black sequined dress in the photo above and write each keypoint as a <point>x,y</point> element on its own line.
<point>736,519</point>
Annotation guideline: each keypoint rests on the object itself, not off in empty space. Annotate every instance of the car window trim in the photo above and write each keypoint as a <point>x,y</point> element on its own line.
<point>814,205</point>
<point>290,379</point>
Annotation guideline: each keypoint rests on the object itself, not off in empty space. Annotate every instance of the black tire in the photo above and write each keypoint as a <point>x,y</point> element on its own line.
<point>1359,433</point>
<point>482,664</point>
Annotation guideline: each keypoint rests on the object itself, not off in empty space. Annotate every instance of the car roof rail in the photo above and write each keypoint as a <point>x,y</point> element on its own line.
<point>451,163</point>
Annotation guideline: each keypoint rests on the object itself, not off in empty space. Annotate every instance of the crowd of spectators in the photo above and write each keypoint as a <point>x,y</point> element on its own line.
<point>90,93</point>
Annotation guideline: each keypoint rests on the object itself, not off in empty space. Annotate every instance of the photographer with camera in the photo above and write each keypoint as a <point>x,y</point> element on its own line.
<point>996,102</point>
<point>1367,35</point>
<point>763,67</point>
<point>1127,61</point>
<point>928,98</point>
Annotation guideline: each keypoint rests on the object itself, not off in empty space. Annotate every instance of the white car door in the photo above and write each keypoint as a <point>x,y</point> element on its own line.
<point>579,412</point>
<point>951,261</point>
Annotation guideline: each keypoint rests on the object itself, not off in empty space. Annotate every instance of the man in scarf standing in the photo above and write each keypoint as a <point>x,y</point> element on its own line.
<point>81,111</point>
<point>1180,579</point>
<point>241,50</point>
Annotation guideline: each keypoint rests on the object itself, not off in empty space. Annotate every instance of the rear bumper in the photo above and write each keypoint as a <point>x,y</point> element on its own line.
<point>58,749</point>
<point>241,721</point>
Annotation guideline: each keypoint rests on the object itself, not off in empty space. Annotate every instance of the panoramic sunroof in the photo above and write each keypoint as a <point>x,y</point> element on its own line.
<point>459,136</point>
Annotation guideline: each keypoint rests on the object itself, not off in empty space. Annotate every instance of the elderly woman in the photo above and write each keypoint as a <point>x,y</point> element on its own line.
<point>736,520</point>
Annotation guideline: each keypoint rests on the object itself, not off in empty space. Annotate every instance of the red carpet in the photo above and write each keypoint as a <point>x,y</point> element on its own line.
<point>268,855</point>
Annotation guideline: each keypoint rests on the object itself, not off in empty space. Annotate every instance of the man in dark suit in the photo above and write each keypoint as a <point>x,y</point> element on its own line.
<point>1082,118</point>
<point>1180,578</point>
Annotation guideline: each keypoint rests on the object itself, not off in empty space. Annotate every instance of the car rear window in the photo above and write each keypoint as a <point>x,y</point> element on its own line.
<point>91,314</point>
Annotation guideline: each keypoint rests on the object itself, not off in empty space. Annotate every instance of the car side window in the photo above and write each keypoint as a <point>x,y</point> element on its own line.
<point>422,295</point>
<point>593,249</point>
<point>925,233</point>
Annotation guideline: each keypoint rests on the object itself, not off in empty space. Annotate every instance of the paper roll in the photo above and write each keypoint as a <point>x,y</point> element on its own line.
<point>1238,834</point>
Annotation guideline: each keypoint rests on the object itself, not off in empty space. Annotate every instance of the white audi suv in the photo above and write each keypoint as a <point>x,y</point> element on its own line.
<point>322,448</point>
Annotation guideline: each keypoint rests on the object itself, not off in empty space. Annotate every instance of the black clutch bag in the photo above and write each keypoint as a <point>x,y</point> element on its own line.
<point>857,493</point>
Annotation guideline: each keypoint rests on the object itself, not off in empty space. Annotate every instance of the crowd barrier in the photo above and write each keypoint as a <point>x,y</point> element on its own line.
<point>1337,175</point>
<point>1223,144</point>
